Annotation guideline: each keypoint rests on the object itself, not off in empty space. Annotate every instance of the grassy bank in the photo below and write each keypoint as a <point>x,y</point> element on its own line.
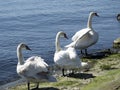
<point>104,74</point>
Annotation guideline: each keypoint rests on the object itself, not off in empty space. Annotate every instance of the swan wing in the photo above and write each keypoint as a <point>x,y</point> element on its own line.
<point>67,59</point>
<point>61,56</point>
<point>72,53</point>
<point>66,56</point>
<point>80,34</point>
<point>33,65</point>
<point>45,76</point>
<point>38,70</point>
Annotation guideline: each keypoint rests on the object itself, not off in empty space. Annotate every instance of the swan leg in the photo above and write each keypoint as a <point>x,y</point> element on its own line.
<point>81,51</point>
<point>63,72</point>
<point>37,85</point>
<point>86,52</point>
<point>28,84</point>
<point>73,71</point>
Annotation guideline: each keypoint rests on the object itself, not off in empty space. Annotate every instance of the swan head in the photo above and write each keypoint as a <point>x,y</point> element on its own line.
<point>118,17</point>
<point>62,34</point>
<point>23,46</point>
<point>94,14</point>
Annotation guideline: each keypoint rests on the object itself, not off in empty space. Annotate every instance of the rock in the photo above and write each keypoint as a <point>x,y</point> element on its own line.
<point>116,43</point>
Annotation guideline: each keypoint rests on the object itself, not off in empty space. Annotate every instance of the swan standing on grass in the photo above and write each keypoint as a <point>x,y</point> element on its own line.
<point>34,69</point>
<point>86,37</point>
<point>65,59</point>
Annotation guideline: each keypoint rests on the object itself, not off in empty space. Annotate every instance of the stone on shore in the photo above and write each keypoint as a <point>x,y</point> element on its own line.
<point>116,43</point>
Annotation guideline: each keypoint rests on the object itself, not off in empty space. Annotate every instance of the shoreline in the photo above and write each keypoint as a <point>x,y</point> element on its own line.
<point>57,72</point>
<point>12,84</point>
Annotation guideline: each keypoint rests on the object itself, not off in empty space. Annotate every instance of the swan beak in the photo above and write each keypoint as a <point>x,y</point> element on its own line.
<point>28,48</point>
<point>96,15</point>
<point>65,36</point>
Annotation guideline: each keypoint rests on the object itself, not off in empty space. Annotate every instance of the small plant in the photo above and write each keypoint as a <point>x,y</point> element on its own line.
<point>105,67</point>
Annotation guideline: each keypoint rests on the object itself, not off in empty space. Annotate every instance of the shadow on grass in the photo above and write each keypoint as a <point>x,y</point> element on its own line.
<point>46,88</point>
<point>98,55</point>
<point>81,75</point>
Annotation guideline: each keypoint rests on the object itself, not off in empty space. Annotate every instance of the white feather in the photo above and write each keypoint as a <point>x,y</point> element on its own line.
<point>85,37</point>
<point>67,58</point>
<point>34,69</point>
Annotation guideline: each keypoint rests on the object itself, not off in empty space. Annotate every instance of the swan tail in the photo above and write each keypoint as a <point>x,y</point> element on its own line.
<point>84,65</point>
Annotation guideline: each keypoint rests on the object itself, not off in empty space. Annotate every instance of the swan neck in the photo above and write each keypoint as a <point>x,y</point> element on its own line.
<point>19,55</point>
<point>57,43</point>
<point>89,24</point>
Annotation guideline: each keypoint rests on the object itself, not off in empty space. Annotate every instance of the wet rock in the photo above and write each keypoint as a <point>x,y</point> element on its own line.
<point>116,43</point>
<point>99,54</point>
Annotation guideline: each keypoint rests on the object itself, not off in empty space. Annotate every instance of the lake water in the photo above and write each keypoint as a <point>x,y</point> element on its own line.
<point>36,22</point>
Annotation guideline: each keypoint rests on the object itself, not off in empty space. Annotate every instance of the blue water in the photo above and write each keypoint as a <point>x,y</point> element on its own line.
<point>36,22</point>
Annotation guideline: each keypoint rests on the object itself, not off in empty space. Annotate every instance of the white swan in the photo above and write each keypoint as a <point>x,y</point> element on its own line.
<point>118,17</point>
<point>65,59</point>
<point>85,37</point>
<point>34,69</point>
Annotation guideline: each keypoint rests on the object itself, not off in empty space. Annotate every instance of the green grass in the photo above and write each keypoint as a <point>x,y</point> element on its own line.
<point>64,82</point>
<point>101,81</point>
<point>107,78</point>
<point>98,83</point>
<point>105,67</point>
